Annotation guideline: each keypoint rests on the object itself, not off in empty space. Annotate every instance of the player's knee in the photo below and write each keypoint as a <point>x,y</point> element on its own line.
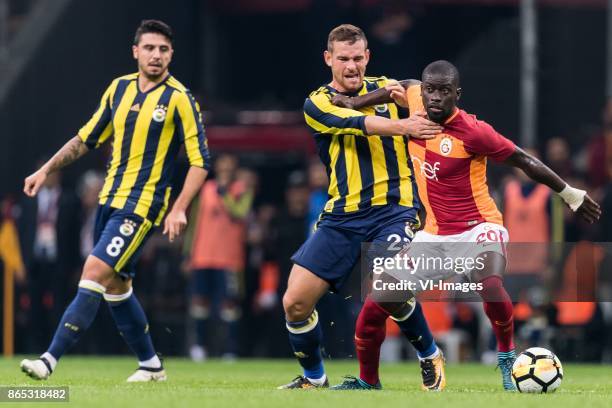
<point>493,265</point>
<point>98,271</point>
<point>199,311</point>
<point>295,308</point>
<point>230,313</point>
<point>118,286</point>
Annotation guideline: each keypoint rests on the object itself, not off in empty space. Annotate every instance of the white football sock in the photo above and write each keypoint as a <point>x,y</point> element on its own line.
<point>52,361</point>
<point>432,355</point>
<point>318,381</point>
<point>153,362</point>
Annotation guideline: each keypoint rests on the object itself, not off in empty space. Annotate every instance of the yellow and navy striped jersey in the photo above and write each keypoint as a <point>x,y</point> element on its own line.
<point>148,129</point>
<point>364,170</point>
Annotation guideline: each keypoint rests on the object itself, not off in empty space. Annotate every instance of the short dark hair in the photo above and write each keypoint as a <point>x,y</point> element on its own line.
<point>153,26</point>
<point>442,67</point>
<point>346,32</point>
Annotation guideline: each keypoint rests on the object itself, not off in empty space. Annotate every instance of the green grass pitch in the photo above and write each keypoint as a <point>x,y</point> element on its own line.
<point>99,382</point>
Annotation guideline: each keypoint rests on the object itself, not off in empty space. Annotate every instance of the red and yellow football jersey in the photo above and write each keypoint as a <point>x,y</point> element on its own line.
<point>451,171</point>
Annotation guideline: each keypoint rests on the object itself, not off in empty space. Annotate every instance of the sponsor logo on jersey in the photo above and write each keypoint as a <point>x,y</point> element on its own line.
<point>427,169</point>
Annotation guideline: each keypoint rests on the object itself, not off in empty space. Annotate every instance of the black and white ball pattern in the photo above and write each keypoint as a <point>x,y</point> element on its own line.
<point>537,370</point>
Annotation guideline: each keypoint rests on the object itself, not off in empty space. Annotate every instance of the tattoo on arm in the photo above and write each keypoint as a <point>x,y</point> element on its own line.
<point>535,169</point>
<point>70,152</point>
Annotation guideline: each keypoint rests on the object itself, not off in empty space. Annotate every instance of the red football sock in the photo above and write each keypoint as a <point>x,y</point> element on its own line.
<point>498,307</point>
<point>370,332</point>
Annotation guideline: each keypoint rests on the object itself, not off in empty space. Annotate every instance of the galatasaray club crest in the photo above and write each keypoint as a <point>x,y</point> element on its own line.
<point>446,145</point>
<point>159,114</point>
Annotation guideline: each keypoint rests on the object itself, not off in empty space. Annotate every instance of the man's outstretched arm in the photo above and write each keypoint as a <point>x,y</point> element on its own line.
<point>417,125</point>
<point>394,92</point>
<point>322,116</point>
<point>578,200</point>
<point>70,152</point>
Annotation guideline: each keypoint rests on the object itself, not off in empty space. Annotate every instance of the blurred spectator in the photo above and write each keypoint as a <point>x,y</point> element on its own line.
<point>49,229</point>
<point>597,150</point>
<point>607,134</point>
<point>285,235</point>
<point>558,157</point>
<point>218,255</point>
<point>580,327</point>
<point>262,281</point>
<point>527,218</point>
<point>287,230</point>
<point>605,223</point>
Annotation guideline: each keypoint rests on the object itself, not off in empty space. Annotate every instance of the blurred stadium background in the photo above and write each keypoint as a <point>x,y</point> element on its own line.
<point>541,71</point>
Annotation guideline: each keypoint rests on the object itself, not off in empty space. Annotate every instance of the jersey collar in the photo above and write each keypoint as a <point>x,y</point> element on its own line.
<point>334,90</point>
<point>451,117</point>
<point>163,81</point>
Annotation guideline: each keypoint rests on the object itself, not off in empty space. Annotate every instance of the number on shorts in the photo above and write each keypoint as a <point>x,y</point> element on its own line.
<point>114,248</point>
<point>396,242</point>
<point>489,236</point>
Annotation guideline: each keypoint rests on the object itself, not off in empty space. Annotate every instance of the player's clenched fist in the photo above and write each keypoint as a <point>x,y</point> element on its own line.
<point>419,127</point>
<point>589,210</point>
<point>397,93</point>
<point>175,223</point>
<point>34,182</point>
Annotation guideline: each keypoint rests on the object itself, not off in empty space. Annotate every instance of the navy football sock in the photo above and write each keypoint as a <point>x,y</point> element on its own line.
<point>305,338</point>
<point>199,315</point>
<point>200,331</point>
<point>77,318</point>
<point>230,316</point>
<point>417,332</point>
<point>132,324</point>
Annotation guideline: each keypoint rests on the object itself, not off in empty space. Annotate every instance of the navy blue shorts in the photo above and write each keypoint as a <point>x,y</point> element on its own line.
<point>333,250</point>
<point>119,237</point>
<point>215,284</point>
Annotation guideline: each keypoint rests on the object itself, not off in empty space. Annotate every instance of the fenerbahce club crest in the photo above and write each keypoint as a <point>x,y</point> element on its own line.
<point>381,108</point>
<point>127,228</point>
<point>159,114</point>
<point>446,145</point>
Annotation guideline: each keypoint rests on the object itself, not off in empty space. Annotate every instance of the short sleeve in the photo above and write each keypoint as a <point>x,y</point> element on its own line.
<point>99,127</point>
<point>383,81</point>
<point>324,117</point>
<point>488,142</point>
<point>191,130</point>
<point>415,101</point>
